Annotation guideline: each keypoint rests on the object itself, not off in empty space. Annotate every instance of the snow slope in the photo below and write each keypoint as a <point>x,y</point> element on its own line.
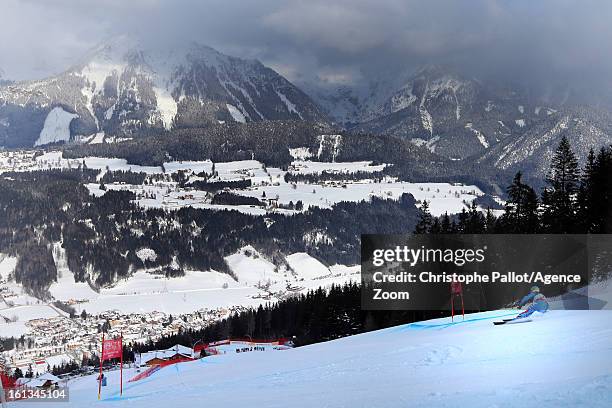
<point>23,314</point>
<point>56,127</point>
<point>563,359</point>
<point>251,268</point>
<point>306,266</point>
<point>236,114</point>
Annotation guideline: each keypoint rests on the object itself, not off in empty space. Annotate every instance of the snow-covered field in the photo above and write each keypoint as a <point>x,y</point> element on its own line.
<point>442,197</point>
<point>312,167</point>
<point>23,314</point>
<point>270,183</point>
<point>253,270</point>
<point>307,266</point>
<point>563,359</point>
<point>266,183</point>
<point>257,281</point>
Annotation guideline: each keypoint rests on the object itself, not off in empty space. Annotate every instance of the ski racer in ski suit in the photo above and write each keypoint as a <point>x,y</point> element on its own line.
<point>538,303</point>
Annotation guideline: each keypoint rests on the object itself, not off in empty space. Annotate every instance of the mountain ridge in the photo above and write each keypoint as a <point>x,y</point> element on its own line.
<point>123,88</point>
<point>464,118</point>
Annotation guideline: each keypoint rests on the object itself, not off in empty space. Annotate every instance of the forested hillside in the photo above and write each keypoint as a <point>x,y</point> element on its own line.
<point>101,235</point>
<point>270,143</point>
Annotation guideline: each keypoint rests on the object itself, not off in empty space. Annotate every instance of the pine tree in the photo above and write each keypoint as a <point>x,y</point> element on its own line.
<point>475,221</point>
<point>446,226</point>
<point>585,201</point>
<point>435,226</point>
<point>601,186</point>
<point>521,210</point>
<point>559,198</point>
<point>490,222</point>
<point>462,225</point>
<point>425,219</point>
<point>370,322</point>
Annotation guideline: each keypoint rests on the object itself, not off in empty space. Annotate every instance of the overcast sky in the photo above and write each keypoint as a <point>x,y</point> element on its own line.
<point>338,41</point>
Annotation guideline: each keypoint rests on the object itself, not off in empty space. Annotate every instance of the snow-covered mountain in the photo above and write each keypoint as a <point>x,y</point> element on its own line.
<point>459,117</point>
<point>586,127</point>
<point>123,87</point>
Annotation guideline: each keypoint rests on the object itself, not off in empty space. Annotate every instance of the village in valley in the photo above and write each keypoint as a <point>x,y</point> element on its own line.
<point>53,342</point>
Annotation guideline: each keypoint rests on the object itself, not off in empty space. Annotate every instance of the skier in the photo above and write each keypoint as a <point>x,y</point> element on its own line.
<point>537,303</point>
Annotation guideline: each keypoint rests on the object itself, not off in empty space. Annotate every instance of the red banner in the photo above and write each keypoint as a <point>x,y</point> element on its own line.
<point>7,382</point>
<point>111,349</point>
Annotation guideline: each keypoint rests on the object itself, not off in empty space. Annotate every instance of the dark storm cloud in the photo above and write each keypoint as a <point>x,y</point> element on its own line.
<point>336,41</point>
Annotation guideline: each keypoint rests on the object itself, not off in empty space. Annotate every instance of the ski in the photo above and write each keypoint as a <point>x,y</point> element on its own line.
<point>521,320</point>
<point>513,321</point>
<point>504,321</point>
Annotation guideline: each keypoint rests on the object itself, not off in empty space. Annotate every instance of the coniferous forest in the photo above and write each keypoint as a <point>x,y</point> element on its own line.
<point>574,201</point>
<point>320,315</point>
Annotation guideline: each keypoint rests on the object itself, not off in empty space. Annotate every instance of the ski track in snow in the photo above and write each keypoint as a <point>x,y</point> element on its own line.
<point>562,359</point>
